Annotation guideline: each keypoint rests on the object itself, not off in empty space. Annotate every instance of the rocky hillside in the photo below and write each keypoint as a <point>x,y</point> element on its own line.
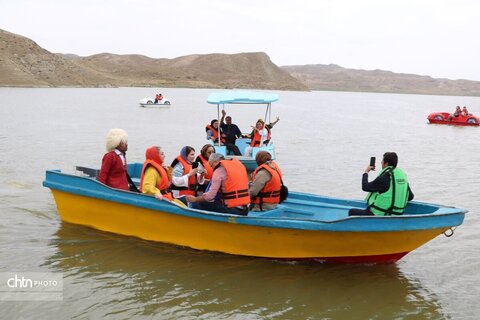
<point>336,78</point>
<point>24,63</point>
<point>243,70</point>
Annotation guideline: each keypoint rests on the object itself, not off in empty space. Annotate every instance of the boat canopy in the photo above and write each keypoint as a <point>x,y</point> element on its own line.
<point>241,97</point>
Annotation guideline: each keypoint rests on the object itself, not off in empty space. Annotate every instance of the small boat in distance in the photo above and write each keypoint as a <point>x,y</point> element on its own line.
<point>240,99</point>
<point>450,119</point>
<point>304,227</point>
<point>150,102</point>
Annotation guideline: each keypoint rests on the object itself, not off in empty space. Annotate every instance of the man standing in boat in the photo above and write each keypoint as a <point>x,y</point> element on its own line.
<point>388,193</point>
<point>114,172</point>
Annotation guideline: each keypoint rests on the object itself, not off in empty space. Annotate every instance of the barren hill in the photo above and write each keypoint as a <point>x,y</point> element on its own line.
<point>243,70</point>
<point>24,63</point>
<point>334,77</point>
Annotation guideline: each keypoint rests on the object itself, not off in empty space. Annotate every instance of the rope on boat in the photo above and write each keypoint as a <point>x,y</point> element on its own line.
<point>448,235</point>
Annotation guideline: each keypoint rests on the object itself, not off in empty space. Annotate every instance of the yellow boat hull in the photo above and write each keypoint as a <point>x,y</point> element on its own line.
<point>240,239</point>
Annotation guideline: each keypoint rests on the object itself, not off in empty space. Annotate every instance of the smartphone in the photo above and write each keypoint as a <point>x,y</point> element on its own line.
<point>372,162</point>
<point>194,165</point>
<point>201,169</point>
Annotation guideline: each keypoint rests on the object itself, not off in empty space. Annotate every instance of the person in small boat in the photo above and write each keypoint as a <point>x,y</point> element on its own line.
<point>212,133</point>
<point>260,135</point>
<point>202,159</point>
<point>186,178</point>
<point>154,178</point>
<point>228,189</point>
<point>114,172</point>
<point>389,193</point>
<point>457,113</point>
<point>266,183</point>
<point>158,97</point>
<point>465,111</point>
<point>230,132</point>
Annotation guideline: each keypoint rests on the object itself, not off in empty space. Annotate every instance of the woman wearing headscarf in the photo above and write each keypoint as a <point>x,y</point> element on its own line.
<point>267,182</point>
<point>114,171</point>
<point>212,131</point>
<point>186,178</point>
<point>154,178</point>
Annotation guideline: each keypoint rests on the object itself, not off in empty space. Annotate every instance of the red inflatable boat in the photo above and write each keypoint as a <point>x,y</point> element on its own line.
<point>448,118</point>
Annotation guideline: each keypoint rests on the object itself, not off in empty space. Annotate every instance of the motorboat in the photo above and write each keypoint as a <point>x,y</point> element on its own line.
<point>304,227</point>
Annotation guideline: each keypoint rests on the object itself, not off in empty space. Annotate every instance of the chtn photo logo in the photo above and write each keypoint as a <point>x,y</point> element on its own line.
<point>22,282</point>
<point>31,286</point>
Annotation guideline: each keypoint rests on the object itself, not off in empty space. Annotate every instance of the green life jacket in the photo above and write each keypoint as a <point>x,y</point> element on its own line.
<point>394,200</point>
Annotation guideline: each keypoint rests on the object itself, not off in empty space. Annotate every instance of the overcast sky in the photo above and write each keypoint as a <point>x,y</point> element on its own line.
<point>436,38</point>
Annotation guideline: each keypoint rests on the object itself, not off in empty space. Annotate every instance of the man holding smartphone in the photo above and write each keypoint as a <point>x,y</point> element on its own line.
<point>388,193</point>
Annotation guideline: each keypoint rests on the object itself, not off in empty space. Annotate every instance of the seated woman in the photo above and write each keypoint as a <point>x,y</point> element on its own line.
<point>212,131</point>
<point>260,135</point>
<point>267,182</point>
<point>154,178</point>
<point>186,178</point>
<point>465,111</point>
<point>202,159</point>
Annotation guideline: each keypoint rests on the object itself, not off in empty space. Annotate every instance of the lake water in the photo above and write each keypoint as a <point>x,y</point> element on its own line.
<point>324,141</point>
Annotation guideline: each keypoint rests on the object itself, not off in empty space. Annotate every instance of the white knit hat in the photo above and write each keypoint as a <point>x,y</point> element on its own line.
<point>115,137</point>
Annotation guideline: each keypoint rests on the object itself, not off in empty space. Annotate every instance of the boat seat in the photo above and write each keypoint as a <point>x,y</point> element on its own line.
<point>90,172</point>
<point>277,212</point>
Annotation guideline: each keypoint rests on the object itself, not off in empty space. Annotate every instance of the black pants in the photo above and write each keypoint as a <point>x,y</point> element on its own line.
<point>233,148</point>
<point>360,212</point>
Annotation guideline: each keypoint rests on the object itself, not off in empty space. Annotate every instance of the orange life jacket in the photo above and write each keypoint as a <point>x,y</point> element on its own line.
<point>271,191</point>
<point>257,138</point>
<point>235,189</point>
<point>192,180</point>
<point>208,168</point>
<point>215,133</point>
<point>162,185</point>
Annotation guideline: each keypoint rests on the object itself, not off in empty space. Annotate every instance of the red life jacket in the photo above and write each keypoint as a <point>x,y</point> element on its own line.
<point>162,185</point>
<point>235,189</point>
<point>215,133</point>
<point>192,180</point>
<point>256,139</point>
<point>271,191</point>
<point>208,168</point>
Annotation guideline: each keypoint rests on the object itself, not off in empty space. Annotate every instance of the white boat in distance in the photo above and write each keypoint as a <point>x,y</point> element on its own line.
<point>150,102</point>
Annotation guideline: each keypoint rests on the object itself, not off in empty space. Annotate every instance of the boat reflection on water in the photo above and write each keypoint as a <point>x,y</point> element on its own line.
<point>106,274</point>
